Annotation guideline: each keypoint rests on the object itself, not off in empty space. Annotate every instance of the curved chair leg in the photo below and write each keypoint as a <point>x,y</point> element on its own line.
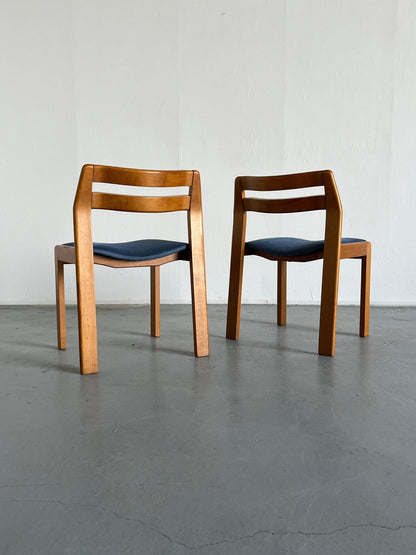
<point>60,302</point>
<point>155,301</point>
<point>234,298</point>
<point>281,292</point>
<point>87,318</point>
<point>365,293</point>
<point>197,270</point>
<point>329,304</point>
<point>236,267</point>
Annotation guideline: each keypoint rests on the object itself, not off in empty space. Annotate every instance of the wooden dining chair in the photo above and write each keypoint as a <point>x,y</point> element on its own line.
<point>290,249</point>
<point>145,252</point>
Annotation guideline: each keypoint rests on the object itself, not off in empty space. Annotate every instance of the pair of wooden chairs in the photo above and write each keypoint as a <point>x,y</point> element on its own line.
<point>154,252</point>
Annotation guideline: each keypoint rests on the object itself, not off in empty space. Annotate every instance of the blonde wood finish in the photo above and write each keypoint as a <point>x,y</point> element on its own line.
<point>332,253</point>
<point>284,206</point>
<point>197,270</point>
<point>129,203</point>
<point>115,263</point>
<point>354,250</point>
<point>82,253</point>
<point>155,301</point>
<point>237,263</point>
<point>281,292</point>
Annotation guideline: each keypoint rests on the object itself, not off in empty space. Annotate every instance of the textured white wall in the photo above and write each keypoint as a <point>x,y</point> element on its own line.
<point>227,87</point>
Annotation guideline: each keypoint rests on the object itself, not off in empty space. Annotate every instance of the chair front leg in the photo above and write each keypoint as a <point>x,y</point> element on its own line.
<point>365,293</point>
<point>60,301</point>
<point>155,301</point>
<point>281,292</point>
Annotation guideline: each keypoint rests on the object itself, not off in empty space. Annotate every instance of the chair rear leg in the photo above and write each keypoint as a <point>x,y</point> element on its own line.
<point>281,292</point>
<point>365,293</point>
<point>199,308</point>
<point>87,319</point>
<point>60,302</point>
<point>155,301</point>
<point>329,305</point>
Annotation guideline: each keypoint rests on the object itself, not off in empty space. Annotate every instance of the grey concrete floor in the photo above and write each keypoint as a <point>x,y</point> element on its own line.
<point>262,448</point>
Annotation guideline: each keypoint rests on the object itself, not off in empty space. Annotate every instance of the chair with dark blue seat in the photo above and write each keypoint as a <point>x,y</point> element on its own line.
<point>145,252</point>
<point>290,249</point>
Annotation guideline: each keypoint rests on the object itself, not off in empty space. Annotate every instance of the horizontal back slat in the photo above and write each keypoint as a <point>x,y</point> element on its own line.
<point>282,182</point>
<point>276,206</point>
<point>142,178</point>
<point>127,203</point>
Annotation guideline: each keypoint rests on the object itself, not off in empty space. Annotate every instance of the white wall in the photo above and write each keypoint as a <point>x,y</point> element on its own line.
<point>227,87</point>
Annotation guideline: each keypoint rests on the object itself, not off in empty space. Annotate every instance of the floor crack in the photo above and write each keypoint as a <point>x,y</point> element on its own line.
<point>221,541</point>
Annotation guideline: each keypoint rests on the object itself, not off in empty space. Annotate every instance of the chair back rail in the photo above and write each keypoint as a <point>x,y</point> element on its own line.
<point>281,206</point>
<point>283,182</point>
<point>330,201</point>
<point>127,203</point>
<point>86,199</point>
<point>142,178</point>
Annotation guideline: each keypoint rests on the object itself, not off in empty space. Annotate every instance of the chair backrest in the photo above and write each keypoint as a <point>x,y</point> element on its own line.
<point>329,201</point>
<point>87,200</point>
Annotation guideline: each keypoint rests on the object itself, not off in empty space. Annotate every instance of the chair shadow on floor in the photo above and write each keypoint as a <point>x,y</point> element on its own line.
<point>28,359</point>
<point>299,327</point>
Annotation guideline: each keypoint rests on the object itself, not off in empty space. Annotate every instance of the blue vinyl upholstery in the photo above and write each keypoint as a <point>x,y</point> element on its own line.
<point>144,249</point>
<point>289,246</point>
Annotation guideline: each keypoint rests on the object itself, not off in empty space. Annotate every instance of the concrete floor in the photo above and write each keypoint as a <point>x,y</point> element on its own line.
<point>262,448</point>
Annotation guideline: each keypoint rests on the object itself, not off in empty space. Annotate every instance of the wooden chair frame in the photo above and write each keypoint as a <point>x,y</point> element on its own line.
<point>81,254</point>
<point>332,253</point>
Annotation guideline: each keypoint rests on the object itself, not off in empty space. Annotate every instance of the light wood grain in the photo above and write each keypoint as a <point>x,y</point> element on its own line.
<point>142,178</point>
<point>116,263</point>
<point>130,203</point>
<point>87,319</point>
<point>354,250</point>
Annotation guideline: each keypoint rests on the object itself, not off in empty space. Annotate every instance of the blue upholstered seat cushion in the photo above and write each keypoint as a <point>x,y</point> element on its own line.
<point>290,246</point>
<point>144,249</point>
